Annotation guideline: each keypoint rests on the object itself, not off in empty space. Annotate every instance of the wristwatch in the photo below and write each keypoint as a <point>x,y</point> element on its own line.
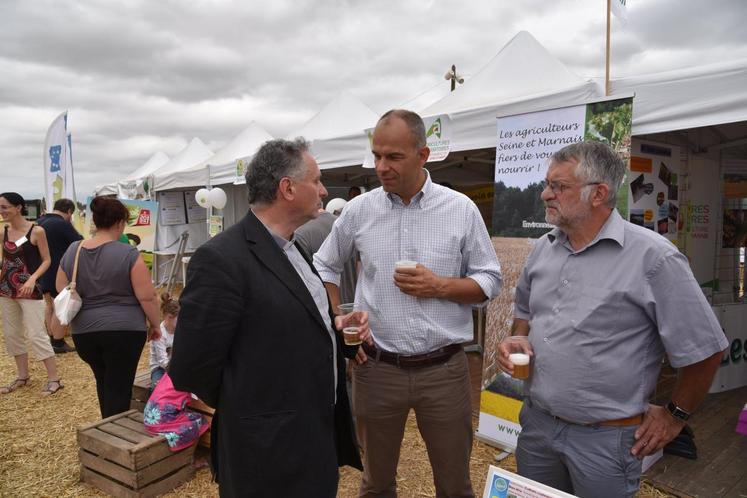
<point>678,412</point>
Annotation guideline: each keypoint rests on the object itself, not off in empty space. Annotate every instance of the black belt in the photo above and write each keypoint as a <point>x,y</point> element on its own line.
<point>440,355</point>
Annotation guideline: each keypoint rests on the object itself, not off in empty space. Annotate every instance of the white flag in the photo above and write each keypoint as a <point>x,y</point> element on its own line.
<point>620,10</point>
<point>57,167</point>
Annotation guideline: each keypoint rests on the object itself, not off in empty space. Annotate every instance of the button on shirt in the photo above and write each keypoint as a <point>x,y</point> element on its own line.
<point>441,229</point>
<point>601,318</point>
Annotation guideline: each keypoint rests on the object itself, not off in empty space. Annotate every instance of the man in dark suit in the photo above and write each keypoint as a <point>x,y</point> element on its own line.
<point>255,340</point>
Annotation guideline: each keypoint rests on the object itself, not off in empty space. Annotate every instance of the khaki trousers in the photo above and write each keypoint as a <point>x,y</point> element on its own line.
<point>383,395</point>
<point>28,314</point>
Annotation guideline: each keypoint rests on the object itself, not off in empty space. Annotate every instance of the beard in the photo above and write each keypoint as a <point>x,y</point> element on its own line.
<point>564,218</point>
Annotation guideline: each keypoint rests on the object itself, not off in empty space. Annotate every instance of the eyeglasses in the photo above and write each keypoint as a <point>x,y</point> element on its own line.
<point>558,188</point>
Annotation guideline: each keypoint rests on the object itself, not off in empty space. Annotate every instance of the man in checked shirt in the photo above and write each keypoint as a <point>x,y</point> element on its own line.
<point>420,316</point>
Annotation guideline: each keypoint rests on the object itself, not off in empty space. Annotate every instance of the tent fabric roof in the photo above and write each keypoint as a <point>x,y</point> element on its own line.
<point>222,163</point>
<point>343,116</point>
<point>156,161</point>
<point>687,98</point>
<point>523,68</point>
<point>193,153</point>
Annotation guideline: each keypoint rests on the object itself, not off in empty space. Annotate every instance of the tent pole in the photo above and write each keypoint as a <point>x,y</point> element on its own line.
<point>607,55</point>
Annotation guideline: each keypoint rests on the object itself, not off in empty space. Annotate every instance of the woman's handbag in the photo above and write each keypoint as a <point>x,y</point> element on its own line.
<point>68,301</point>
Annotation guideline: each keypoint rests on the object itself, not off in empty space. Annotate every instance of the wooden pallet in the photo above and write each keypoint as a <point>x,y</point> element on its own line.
<point>119,457</point>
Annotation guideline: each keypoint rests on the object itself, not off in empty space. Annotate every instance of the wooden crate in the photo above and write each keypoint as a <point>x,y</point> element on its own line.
<point>140,391</point>
<point>119,457</point>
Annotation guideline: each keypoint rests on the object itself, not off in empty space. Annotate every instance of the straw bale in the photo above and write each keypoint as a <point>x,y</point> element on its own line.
<point>39,452</point>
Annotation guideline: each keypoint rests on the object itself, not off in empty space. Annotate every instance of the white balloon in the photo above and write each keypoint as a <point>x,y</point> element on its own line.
<point>217,198</point>
<point>202,197</point>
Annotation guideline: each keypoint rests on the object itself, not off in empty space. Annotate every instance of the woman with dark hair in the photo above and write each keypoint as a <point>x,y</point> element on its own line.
<point>110,331</point>
<point>25,257</point>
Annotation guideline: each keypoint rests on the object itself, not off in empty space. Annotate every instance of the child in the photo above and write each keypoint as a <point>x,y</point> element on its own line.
<point>160,350</point>
<point>166,414</point>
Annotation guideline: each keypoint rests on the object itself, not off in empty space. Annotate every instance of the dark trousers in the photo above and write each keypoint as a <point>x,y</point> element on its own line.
<point>113,357</point>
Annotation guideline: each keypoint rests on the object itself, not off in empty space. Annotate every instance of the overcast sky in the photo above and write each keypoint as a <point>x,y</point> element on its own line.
<point>139,77</point>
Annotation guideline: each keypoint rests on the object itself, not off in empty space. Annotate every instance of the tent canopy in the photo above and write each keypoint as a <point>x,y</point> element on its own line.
<point>342,116</point>
<point>193,153</point>
<point>156,161</point>
<point>221,166</point>
<point>692,97</point>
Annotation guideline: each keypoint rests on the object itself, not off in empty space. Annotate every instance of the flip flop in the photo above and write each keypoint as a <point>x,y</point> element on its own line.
<point>49,389</point>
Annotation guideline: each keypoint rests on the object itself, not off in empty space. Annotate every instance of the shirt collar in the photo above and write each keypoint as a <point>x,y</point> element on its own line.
<point>420,199</point>
<point>280,241</point>
<point>613,229</point>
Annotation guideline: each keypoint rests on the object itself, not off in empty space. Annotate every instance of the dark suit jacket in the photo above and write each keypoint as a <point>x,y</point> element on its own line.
<point>251,343</point>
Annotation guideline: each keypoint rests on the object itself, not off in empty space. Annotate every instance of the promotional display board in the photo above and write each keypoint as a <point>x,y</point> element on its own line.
<point>733,370</point>
<point>438,137</point>
<point>653,197</point>
<point>141,225</point>
<point>525,143</point>
<point>504,484</point>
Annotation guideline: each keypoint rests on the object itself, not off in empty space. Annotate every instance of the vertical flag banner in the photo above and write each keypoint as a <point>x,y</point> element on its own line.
<point>524,144</point>
<point>59,181</point>
<point>56,161</point>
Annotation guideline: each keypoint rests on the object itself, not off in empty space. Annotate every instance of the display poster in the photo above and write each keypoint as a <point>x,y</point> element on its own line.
<point>172,209</point>
<point>504,484</point>
<point>438,137</point>
<point>525,143</point>
<point>653,196</point>
<point>141,225</point>
<point>241,165</point>
<point>195,212</point>
<point>732,372</point>
<point>215,226</point>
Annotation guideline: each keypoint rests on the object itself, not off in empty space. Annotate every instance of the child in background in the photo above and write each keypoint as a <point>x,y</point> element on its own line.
<point>166,413</point>
<point>160,350</point>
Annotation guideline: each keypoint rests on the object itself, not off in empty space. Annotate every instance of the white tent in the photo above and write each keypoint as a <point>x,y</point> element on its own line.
<point>692,97</point>
<point>221,165</point>
<point>189,156</point>
<point>156,161</point>
<point>522,77</point>
<point>337,132</point>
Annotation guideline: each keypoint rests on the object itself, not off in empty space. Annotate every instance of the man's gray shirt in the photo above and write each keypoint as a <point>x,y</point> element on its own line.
<point>602,317</point>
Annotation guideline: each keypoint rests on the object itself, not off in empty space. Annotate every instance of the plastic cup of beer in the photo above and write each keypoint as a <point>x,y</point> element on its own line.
<point>405,263</point>
<point>518,354</point>
<point>351,323</point>
<point>350,336</point>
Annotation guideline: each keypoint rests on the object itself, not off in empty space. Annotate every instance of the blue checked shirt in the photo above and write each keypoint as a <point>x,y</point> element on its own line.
<point>441,229</point>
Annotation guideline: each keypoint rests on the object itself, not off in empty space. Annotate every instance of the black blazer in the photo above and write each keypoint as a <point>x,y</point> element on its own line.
<point>250,342</point>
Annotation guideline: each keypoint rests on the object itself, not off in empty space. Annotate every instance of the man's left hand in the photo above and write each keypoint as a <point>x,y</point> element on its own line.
<point>419,282</point>
<point>659,427</point>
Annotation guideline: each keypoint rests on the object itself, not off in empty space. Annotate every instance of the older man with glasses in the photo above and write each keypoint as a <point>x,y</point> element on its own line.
<point>602,300</point>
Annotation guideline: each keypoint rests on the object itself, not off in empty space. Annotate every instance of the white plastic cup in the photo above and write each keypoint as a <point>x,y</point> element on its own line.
<point>405,263</point>
<point>521,365</point>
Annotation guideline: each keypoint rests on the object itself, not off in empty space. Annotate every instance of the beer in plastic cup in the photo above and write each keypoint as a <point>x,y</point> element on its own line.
<point>350,335</point>
<point>405,263</point>
<point>521,365</point>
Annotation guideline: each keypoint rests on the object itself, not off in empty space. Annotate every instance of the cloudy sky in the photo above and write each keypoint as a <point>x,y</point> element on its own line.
<point>142,76</point>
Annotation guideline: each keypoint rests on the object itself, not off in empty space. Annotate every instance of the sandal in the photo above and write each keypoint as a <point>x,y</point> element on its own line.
<point>52,387</point>
<point>16,384</point>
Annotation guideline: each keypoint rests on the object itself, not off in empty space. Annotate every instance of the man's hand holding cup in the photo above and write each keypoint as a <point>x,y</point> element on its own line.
<point>515,355</point>
<point>353,322</point>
